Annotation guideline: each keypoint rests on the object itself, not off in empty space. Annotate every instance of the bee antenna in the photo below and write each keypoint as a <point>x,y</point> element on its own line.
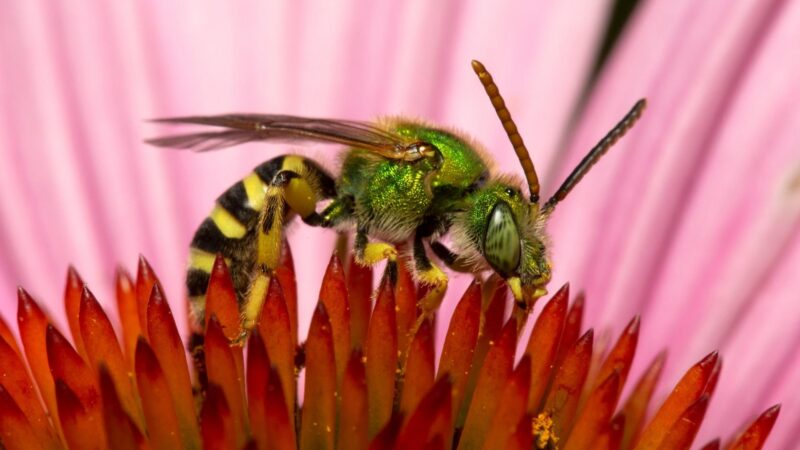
<point>595,154</point>
<point>511,128</point>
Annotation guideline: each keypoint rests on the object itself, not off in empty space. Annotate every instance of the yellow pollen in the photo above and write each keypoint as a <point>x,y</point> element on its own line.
<point>542,430</point>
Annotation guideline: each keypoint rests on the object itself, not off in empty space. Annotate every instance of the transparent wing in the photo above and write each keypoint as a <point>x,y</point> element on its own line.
<point>241,128</point>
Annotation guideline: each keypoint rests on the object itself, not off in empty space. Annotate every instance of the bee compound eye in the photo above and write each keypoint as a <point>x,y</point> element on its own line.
<point>502,246</point>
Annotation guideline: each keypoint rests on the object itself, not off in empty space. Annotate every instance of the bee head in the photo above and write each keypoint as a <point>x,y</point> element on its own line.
<point>512,239</point>
<point>504,228</point>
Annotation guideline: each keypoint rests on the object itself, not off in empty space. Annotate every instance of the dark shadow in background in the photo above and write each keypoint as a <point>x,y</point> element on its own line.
<point>620,15</point>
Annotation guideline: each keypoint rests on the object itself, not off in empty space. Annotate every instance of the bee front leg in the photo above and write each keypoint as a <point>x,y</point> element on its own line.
<point>452,260</point>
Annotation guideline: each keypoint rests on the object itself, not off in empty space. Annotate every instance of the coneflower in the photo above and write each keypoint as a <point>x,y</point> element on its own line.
<point>366,383</point>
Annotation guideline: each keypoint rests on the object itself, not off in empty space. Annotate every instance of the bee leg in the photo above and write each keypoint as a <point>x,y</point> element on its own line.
<point>267,256</point>
<point>297,192</point>
<point>288,188</point>
<point>338,210</point>
<point>430,274</point>
<point>371,253</point>
<point>452,260</point>
<point>427,272</point>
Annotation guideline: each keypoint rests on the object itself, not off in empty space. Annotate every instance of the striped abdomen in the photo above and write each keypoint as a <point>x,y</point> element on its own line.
<point>230,229</point>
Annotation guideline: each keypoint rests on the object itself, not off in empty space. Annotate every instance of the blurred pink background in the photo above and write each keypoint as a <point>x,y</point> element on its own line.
<point>691,221</point>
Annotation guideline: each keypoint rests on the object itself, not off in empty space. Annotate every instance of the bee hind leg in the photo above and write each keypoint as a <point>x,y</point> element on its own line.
<point>288,189</point>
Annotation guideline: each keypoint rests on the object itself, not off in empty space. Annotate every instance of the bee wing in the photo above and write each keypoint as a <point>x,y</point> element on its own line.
<point>241,128</point>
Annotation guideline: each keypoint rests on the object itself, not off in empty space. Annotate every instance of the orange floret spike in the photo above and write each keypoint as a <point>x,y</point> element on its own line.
<point>493,305</point>
<point>596,414</point>
<point>459,343</point>
<point>285,274</point>
<point>67,365</point>
<point>713,379</point>
<point>405,296</point>
<point>562,400</point>
<point>15,429</point>
<point>359,291</point>
<point>161,420</point>
<point>168,348</point>
<point>14,376</point>
<point>222,371</point>
<point>275,328</point>
<point>387,436</point>
<point>521,438</point>
<point>419,369</point>
<point>683,431</point>
<point>600,352</point>
<point>754,436</point>
<point>432,417</point>
<point>317,430</point>
<point>121,430</point>
<point>81,428</point>
<point>221,300</point>
<point>333,294</point>
<point>128,315</point>
<point>33,323</point>
<point>513,402</point>
<point>353,412</point>
<point>572,328</point>
<point>72,305</point>
<point>257,373</point>
<point>611,437</point>
<point>494,312</point>
<point>686,392</point>
<point>216,423</point>
<point>635,407</point>
<point>621,356</point>
<point>436,443</point>
<point>102,348</point>
<point>280,427</point>
<point>494,373</point>
<point>7,336</point>
<point>619,359</point>
<point>543,345</point>
<point>145,280</point>
<point>381,353</point>
<point>221,303</point>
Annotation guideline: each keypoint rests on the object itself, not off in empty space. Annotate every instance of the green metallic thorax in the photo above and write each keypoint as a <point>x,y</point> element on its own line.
<point>393,197</point>
<point>460,169</point>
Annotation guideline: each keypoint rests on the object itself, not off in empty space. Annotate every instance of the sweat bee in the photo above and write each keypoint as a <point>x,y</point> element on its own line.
<point>401,181</point>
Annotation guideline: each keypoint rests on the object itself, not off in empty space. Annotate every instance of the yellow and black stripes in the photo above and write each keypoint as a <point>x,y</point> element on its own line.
<point>231,227</point>
<point>236,202</point>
